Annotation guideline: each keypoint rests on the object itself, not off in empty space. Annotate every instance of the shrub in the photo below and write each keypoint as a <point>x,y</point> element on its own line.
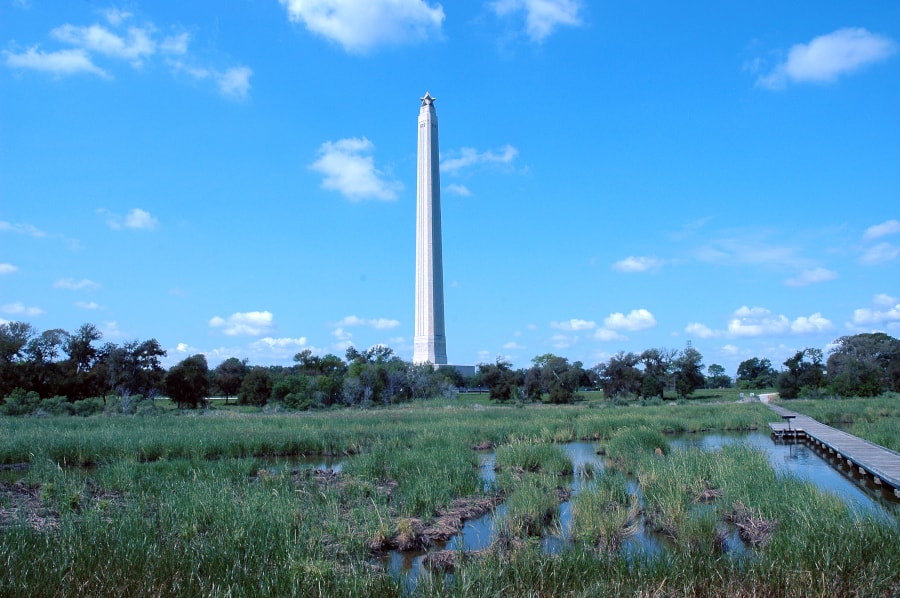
<point>88,407</point>
<point>20,402</point>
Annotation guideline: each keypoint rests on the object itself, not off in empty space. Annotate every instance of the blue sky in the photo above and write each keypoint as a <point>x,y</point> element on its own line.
<point>240,181</point>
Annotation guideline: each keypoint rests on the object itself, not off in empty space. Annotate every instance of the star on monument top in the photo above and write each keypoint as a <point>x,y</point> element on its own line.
<point>427,100</point>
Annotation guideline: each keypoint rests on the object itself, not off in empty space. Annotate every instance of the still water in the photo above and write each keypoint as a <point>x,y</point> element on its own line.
<point>797,460</point>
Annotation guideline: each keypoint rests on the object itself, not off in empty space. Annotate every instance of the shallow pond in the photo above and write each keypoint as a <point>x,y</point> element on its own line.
<point>799,460</point>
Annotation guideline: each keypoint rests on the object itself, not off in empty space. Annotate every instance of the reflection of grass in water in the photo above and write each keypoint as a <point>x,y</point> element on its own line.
<point>534,457</point>
<point>186,505</point>
<point>605,513</point>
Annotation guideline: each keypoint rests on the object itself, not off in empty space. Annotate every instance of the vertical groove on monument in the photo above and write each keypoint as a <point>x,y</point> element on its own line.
<point>430,341</point>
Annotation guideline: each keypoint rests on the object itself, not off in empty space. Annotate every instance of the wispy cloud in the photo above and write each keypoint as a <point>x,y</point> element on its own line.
<point>466,157</point>
<point>75,285</point>
<point>362,25</point>
<point>461,190</point>
<point>811,276</point>
<point>349,169</point>
<point>542,17</point>
<point>376,323</point>
<point>20,309</point>
<point>22,229</point>
<point>123,39</point>
<point>889,227</point>
<point>638,264</point>
<point>7,268</point>
<point>251,323</point>
<point>88,305</point>
<point>880,253</point>
<point>136,219</point>
<point>574,325</point>
<point>829,56</point>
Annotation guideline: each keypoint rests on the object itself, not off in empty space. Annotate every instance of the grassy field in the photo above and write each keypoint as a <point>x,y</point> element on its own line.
<point>218,503</point>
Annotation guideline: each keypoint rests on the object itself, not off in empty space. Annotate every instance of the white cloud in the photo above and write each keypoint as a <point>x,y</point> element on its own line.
<point>757,321</point>
<point>889,227</point>
<point>468,156</point>
<point>175,44</point>
<point>184,348</point>
<point>350,170</point>
<point>637,264</point>
<point>116,16</point>
<point>75,285</point>
<point>541,16</point>
<point>60,63</point>
<point>235,82</point>
<point>20,309</point>
<point>22,229</point>
<point>140,219</point>
<point>136,219</point>
<point>111,331</point>
<point>700,330</point>
<point>879,254</point>
<point>251,323</point>
<point>513,346</point>
<point>454,189</point>
<point>7,268</point>
<point>637,319</point>
<point>574,325</point>
<point>562,341</point>
<point>341,334</point>
<point>730,350</point>
<point>88,305</point>
<point>829,56</point>
<point>604,334</point>
<point>811,276</point>
<point>885,300</point>
<point>812,324</point>
<point>888,310</point>
<point>361,25</point>
<point>134,48</point>
<point>279,343</point>
<point>376,323</point>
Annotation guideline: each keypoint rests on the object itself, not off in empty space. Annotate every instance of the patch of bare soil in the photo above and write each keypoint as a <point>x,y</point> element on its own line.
<point>753,528</point>
<point>21,504</point>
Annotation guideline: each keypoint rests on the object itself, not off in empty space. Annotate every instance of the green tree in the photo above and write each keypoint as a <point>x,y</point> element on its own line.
<point>229,375</point>
<point>500,379</point>
<point>619,376</point>
<point>256,388</point>
<point>716,377</point>
<point>864,364</point>
<point>657,369</point>
<point>187,383</point>
<point>756,373</point>
<point>687,370</point>
<point>804,375</point>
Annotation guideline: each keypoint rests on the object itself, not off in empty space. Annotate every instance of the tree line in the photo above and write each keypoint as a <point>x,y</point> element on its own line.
<point>64,370</point>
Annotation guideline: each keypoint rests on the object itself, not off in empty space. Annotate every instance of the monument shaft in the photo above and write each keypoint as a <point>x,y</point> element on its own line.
<point>430,344</point>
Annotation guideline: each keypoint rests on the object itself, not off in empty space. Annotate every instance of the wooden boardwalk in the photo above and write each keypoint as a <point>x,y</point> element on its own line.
<point>867,457</point>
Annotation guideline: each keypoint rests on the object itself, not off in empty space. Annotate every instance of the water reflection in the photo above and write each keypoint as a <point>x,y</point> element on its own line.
<point>802,461</point>
<point>798,460</point>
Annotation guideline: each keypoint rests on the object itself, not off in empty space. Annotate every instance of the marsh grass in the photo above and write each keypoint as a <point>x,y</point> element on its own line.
<point>192,505</point>
<point>875,419</point>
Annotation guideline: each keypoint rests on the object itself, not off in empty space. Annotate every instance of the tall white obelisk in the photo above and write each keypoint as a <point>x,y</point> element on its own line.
<point>430,342</point>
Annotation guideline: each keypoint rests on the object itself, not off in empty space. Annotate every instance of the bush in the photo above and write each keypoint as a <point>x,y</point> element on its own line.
<point>88,407</point>
<point>20,402</point>
<point>56,406</point>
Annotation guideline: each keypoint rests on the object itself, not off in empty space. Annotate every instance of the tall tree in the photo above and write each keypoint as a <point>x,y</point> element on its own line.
<point>619,376</point>
<point>864,364</point>
<point>687,370</point>
<point>805,373</point>
<point>756,373</point>
<point>256,388</point>
<point>187,383</point>
<point>229,375</point>
<point>716,377</point>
